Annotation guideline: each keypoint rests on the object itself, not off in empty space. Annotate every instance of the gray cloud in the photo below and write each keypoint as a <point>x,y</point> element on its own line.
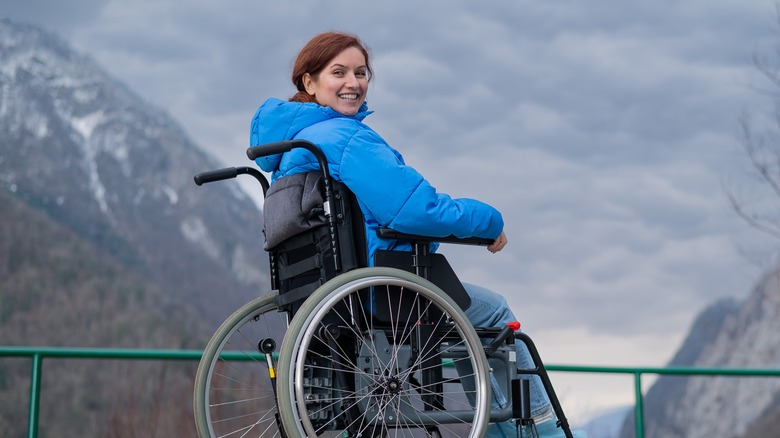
<point>60,17</point>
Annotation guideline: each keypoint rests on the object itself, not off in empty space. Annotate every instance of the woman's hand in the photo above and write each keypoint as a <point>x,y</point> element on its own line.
<point>498,244</point>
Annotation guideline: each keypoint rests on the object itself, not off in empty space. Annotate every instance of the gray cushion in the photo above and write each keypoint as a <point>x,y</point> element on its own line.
<point>293,204</point>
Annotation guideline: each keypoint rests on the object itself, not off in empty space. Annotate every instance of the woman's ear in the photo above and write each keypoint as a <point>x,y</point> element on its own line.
<point>309,84</point>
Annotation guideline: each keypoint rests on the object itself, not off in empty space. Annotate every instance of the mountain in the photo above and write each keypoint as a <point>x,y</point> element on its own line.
<point>728,334</point>
<point>105,241</point>
<point>607,424</point>
<point>56,289</point>
<point>82,148</point>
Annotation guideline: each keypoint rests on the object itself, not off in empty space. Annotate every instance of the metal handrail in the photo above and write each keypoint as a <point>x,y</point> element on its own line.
<point>37,354</point>
<point>639,416</point>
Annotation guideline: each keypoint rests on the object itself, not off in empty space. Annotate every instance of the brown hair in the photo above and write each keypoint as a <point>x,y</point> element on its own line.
<point>316,54</point>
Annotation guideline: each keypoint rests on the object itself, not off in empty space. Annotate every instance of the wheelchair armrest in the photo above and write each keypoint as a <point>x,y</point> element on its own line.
<point>387,233</point>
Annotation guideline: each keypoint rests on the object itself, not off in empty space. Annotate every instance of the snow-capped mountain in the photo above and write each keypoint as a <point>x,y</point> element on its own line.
<point>81,147</point>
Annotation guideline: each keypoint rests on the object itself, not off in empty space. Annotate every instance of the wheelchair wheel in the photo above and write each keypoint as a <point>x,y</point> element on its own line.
<point>234,392</point>
<point>371,354</point>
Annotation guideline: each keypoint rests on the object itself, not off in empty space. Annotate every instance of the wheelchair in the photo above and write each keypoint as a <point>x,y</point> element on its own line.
<point>344,349</point>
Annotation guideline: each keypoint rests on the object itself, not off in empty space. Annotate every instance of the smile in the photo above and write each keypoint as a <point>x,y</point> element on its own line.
<point>348,96</point>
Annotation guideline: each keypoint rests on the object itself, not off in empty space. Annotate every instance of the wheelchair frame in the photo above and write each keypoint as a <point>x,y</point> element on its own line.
<point>286,408</point>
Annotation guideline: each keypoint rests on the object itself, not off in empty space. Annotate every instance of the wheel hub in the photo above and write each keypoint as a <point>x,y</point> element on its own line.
<point>393,386</point>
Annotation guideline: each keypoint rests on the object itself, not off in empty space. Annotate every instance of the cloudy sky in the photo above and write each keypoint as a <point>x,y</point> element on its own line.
<point>605,132</point>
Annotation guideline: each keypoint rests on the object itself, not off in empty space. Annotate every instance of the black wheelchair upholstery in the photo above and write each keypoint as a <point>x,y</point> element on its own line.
<point>302,263</point>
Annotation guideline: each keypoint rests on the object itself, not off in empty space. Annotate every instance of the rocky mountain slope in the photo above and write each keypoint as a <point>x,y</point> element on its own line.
<point>726,335</point>
<point>56,289</point>
<point>105,241</point>
<point>83,149</point>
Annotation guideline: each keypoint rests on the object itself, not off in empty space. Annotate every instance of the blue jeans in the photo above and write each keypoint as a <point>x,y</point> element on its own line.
<point>489,309</point>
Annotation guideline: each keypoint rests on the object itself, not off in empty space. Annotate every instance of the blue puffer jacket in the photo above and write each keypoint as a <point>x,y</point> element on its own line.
<point>390,193</point>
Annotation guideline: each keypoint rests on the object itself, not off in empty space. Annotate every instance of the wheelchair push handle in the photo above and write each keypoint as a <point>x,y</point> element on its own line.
<point>230,173</point>
<point>280,147</point>
<point>215,175</point>
<point>264,150</point>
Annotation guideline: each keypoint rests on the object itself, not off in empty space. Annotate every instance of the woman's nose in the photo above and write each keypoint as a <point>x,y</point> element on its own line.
<point>352,81</point>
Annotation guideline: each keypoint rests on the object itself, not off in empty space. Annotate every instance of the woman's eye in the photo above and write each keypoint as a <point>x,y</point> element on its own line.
<point>360,74</point>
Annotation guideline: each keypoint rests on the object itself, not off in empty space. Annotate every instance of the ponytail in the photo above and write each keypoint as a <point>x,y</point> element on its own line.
<point>303,97</point>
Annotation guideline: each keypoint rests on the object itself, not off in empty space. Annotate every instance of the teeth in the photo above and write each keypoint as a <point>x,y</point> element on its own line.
<point>348,96</point>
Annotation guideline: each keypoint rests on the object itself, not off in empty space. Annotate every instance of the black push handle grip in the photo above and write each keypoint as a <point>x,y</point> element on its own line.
<point>280,147</point>
<point>215,175</point>
<point>229,173</point>
<point>264,150</point>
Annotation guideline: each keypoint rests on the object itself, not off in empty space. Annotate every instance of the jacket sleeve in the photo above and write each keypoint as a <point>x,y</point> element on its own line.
<point>400,198</point>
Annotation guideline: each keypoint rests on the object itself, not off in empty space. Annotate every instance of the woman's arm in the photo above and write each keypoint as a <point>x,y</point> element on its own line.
<point>400,198</point>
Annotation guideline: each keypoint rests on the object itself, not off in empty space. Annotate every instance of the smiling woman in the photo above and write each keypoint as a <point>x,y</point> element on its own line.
<point>342,85</point>
<point>333,70</point>
<point>332,74</point>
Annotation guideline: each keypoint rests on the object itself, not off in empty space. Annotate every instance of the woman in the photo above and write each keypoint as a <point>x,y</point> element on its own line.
<point>332,74</point>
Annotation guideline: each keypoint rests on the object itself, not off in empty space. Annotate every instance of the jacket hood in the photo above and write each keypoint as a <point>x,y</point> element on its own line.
<point>278,120</point>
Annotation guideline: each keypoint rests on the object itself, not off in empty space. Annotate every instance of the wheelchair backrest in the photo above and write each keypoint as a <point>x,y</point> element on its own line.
<point>299,240</point>
<point>300,243</point>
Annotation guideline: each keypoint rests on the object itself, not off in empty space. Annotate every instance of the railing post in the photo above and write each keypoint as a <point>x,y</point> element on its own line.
<point>35,395</point>
<point>639,411</point>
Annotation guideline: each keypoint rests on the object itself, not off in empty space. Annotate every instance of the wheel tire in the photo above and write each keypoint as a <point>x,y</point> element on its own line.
<point>387,388</point>
<point>233,390</point>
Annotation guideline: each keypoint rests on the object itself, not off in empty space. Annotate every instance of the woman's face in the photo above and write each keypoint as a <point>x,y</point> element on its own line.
<point>343,83</point>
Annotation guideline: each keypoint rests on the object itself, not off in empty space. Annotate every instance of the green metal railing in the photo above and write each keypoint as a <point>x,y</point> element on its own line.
<point>637,372</point>
<point>37,354</point>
